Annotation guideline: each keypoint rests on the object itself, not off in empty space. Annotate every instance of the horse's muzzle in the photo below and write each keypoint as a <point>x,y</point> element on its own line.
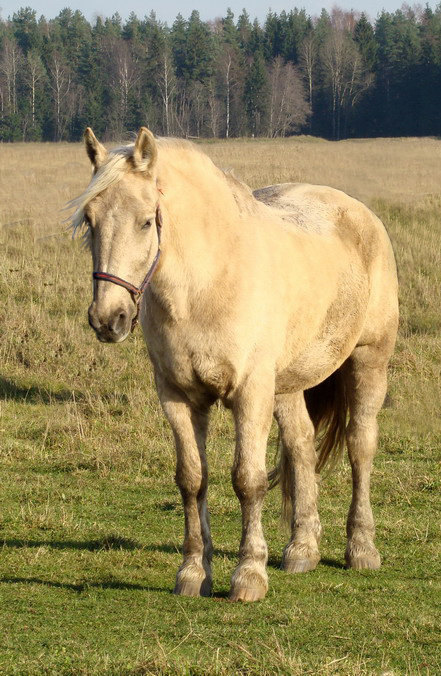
<point>111,328</point>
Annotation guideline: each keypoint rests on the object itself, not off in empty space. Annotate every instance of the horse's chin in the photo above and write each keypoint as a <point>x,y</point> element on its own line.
<point>108,338</point>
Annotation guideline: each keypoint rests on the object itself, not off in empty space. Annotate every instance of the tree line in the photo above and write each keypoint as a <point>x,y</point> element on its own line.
<point>337,75</point>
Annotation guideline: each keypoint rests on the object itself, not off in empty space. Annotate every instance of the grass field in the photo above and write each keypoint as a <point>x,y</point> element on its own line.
<point>90,519</point>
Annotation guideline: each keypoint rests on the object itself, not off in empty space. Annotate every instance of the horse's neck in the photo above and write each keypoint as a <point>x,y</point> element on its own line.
<point>200,228</point>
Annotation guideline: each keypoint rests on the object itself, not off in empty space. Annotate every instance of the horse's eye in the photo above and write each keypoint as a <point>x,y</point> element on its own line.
<point>147,224</point>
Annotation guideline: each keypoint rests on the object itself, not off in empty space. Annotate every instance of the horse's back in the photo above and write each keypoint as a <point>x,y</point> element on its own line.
<point>322,210</point>
<point>359,236</point>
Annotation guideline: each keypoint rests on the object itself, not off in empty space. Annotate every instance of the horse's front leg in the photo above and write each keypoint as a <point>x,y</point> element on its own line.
<point>252,409</point>
<point>189,427</point>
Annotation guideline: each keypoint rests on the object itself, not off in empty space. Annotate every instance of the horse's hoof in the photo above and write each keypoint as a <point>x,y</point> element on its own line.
<point>363,560</point>
<point>193,588</point>
<point>299,565</point>
<point>300,557</point>
<point>247,594</point>
<point>192,581</point>
<point>249,583</point>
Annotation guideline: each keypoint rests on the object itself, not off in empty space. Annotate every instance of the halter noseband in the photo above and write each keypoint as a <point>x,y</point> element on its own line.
<point>135,291</point>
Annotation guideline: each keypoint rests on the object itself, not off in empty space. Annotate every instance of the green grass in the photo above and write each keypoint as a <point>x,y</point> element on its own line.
<point>91,522</point>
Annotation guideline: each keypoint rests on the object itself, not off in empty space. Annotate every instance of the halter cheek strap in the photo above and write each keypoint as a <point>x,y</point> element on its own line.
<point>136,291</point>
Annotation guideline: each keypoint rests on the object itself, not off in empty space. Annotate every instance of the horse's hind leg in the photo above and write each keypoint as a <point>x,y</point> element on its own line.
<point>189,427</point>
<point>366,374</point>
<point>298,479</point>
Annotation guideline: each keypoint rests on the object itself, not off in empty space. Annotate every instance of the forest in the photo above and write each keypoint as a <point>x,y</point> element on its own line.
<point>338,75</point>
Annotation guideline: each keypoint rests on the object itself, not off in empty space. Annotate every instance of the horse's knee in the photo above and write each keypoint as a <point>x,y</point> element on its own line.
<point>249,484</point>
<point>362,439</point>
<point>192,482</point>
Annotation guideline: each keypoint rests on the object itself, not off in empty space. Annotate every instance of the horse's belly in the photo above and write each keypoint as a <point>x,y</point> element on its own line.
<point>304,366</point>
<point>313,366</point>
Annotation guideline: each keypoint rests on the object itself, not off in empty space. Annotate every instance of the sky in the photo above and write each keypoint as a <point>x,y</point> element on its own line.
<point>166,10</point>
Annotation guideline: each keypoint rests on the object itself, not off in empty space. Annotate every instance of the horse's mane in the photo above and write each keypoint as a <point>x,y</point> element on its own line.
<point>112,171</point>
<point>116,166</point>
<point>242,193</point>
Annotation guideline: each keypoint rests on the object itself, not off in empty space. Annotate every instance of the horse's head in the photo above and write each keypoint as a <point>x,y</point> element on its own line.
<point>120,208</point>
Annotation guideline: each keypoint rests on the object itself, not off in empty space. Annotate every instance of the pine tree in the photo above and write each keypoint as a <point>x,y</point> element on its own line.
<point>272,44</point>
<point>25,28</point>
<point>365,39</point>
<point>179,41</point>
<point>230,34</point>
<point>244,31</point>
<point>256,94</point>
<point>198,50</point>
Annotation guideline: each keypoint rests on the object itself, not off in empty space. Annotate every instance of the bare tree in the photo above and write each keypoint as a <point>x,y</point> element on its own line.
<point>229,76</point>
<point>343,67</point>
<point>308,62</point>
<point>288,108</point>
<point>167,86</point>
<point>214,108</point>
<point>124,75</point>
<point>198,95</point>
<point>181,110</point>
<point>10,61</point>
<point>60,78</point>
<point>33,74</point>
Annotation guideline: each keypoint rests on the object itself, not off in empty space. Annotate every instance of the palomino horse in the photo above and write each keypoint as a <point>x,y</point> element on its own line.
<point>282,301</point>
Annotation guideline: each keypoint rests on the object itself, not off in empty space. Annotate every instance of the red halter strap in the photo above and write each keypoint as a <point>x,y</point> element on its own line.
<point>136,291</point>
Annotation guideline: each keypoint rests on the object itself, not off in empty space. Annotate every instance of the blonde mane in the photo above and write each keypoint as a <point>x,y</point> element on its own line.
<point>112,171</point>
<point>116,166</point>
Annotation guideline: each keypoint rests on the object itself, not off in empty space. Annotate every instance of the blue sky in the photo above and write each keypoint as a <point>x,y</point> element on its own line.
<point>168,9</point>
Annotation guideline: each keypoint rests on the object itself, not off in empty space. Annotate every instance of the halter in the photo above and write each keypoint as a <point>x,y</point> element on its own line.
<point>135,291</point>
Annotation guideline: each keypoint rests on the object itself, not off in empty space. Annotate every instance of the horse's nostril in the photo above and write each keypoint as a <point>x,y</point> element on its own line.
<point>117,323</point>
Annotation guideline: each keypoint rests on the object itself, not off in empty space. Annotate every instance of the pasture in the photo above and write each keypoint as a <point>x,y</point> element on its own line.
<point>90,519</point>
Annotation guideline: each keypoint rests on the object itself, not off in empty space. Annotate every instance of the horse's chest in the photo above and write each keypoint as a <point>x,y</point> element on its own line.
<point>193,361</point>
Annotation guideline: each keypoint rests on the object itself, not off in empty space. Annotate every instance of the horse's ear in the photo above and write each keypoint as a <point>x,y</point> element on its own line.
<point>145,152</point>
<point>96,151</point>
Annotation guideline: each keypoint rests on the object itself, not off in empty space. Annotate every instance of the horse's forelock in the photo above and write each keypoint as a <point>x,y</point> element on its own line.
<point>111,171</point>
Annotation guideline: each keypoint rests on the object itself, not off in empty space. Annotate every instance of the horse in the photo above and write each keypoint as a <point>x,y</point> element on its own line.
<point>282,302</point>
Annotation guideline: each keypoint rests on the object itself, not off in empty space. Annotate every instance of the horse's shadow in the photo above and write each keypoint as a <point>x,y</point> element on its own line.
<point>115,542</point>
<point>35,395</point>
<point>105,543</point>
<point>81,587</point>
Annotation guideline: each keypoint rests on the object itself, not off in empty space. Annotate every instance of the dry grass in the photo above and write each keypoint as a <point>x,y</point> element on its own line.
<point>90,518</point>
<point>398,178</point>
<point>402,171</point>
<point>36,180</point>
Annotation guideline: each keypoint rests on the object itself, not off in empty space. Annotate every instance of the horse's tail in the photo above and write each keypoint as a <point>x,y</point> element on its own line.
<point>328,406</point>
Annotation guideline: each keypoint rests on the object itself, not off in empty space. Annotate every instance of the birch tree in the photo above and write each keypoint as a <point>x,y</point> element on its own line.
<point>308,63</point>
<point>288,108</point>
<point>34,74</point>
<point>344,71</point>
<point>230,77</point>
<point>60,78</point>
<point>124,74</point>
<point>10,61</point>
<point>167,87</point>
